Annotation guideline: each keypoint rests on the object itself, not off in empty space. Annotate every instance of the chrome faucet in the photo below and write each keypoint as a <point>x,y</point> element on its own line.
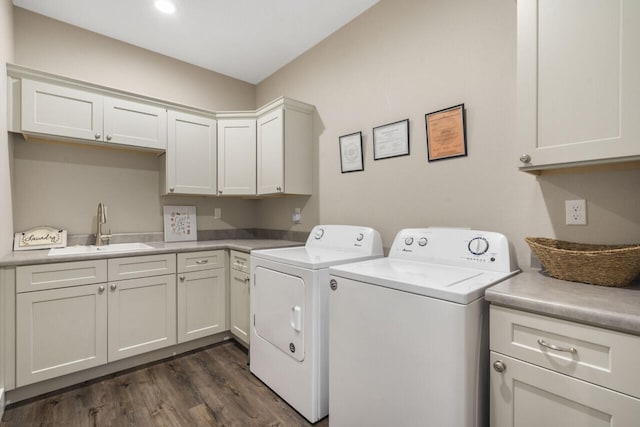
<point>102,219</point>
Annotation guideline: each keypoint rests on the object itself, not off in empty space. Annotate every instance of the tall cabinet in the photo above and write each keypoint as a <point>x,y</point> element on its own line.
<point>578,82</point>
<point>284,148</point>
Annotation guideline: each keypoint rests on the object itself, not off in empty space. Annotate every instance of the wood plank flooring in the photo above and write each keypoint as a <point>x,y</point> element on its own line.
<point>207,387</point>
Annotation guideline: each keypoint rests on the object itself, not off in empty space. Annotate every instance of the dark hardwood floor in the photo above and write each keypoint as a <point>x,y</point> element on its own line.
<point>207,387</point>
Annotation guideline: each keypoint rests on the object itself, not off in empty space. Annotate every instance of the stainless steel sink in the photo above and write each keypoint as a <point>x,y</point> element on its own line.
<point>92,249</point>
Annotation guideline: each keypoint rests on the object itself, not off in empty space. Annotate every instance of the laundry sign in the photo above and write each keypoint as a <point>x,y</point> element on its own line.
<point>43,237</point>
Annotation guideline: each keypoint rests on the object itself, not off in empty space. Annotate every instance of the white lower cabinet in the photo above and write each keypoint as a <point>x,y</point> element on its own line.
<point>551,372</point>
<point>201,294</point>
<point>239,298</point>
<point>60,331</point>
<point>142,315</point>
<point>69,325</point>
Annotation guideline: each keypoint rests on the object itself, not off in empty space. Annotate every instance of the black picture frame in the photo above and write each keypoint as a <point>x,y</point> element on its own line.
<point>391,140</point>
<point>351,153</point>
<point>446,133</point>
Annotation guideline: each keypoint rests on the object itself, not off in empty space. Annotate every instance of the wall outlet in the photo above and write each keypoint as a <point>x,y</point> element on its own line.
<point>217,213</point>
<point>297,216</point>
<point>576,211</point>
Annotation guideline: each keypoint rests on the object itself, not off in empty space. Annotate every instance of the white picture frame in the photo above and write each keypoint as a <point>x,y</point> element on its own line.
<point>180,224</point>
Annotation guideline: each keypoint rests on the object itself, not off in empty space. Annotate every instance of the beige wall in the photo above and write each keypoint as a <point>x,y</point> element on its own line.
<point>404,58</point>
<point>6,229</point>
<point>61,185</point>
<point>6,55</point>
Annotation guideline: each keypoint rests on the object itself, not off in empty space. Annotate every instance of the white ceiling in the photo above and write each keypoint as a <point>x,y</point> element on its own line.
<point>245,39</point>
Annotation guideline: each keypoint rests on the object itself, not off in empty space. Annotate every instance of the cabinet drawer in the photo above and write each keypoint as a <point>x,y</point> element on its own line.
<point>240,261</point>
<point>203,260</point>
<point>141,266</point>
<point>600,356</point>
<point>59,275</point>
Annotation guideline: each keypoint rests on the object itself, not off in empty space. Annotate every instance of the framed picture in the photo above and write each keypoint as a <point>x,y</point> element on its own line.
<point>180,223</point>
<point>446,133</point>
<point>351,157</point>
<point>391,140</point>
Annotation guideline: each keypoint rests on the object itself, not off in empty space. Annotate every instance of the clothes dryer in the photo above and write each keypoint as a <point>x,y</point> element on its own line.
<point>290,316</point>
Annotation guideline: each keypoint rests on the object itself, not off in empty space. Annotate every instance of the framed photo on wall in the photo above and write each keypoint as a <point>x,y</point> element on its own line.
<point>351,157</point>
<point>446,133</point>
<point>180,223</point>
<point>391,140</point>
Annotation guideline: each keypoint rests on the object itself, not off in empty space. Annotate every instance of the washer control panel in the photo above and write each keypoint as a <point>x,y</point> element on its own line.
<point>454,246</point>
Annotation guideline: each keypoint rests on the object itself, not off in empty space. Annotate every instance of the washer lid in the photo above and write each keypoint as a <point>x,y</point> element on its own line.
<point>455,284</point>
<point>311,257</point>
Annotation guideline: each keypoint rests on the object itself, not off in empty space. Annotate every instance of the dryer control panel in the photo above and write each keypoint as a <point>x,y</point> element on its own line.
<point>459,247</point>
<point>347,238</point>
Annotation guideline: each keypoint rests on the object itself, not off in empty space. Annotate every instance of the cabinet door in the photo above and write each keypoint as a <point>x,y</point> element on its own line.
<point>60,331</point>
<point>201,304</point>
<point>525,395</point>
<point>239,289</point>
<point>237,156</point>
<point>191,154</point>
<point>578,88</point>
<point>270,128</point>
<point>61,111</point>
<point>135,124</point>
<point>142,315</point>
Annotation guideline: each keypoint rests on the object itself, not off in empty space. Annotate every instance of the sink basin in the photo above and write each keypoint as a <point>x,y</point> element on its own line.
<point>92,249</point>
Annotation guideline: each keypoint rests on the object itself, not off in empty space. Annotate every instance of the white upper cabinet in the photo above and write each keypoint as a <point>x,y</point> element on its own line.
<point>135,124</point>
<point>65,112</point>
<point>578,82</point>
<point>284,142</point>
<point>236,156</point>
<point>57,110</point>
<point>190,163</point>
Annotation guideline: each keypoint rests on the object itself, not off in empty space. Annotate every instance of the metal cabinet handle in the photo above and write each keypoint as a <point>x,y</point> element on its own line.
<point>499,366</point>
<point>108,137</point>
<point>525,158</point>
<point>172,189</point>
<point>219,191</point>
<point>114,286</point>
<point>202,261</point>
<point>182,278</point>
<point>556,348</point>
<point>100,289</point>
<point>333,284</point>
<point>97,135</point>
<point>247,280</point>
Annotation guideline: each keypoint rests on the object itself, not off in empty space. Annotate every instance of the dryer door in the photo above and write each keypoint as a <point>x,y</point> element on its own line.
<point>279,310</point>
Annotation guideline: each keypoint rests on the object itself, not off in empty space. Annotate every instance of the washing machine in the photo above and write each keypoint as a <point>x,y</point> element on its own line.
<point>289,312</point>
<point>408,341</point>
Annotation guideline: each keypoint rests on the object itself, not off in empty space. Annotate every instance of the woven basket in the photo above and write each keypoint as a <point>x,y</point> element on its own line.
<point>606,265</point>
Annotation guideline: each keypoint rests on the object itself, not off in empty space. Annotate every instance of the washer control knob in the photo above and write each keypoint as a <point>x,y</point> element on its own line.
<point>478,245</point>
<point>408,241</point>
<point>423,241</point>
<point>360,237</point>
<point>319,233</point>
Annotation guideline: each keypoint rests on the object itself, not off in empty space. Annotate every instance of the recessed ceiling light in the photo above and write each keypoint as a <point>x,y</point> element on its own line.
<point>165,6</point>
